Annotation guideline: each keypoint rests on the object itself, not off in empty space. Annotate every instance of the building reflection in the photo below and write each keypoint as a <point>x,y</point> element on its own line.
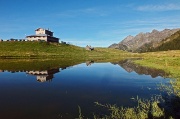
<point>1,70</point>
<point>43,76</point>
<point>88,63</point>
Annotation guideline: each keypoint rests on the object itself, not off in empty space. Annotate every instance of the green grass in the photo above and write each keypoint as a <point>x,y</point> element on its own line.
<point>145,109</point>
<point>57,50</point>
<point>37,49</point>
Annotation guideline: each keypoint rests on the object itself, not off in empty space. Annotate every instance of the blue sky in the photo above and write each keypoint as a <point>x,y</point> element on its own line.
<point>97,23</point>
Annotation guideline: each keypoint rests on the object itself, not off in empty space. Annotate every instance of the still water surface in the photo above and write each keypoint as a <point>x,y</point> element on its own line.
<point>57,93</point>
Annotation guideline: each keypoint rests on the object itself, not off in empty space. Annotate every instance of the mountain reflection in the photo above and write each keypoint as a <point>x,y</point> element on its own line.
<point>129,66</point>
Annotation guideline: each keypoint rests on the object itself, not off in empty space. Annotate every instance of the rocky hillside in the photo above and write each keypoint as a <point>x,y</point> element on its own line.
<point>170,43</point>
<point>145,41</point>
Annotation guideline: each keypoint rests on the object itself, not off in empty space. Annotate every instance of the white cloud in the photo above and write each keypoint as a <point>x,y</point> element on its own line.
<point>165,7</point>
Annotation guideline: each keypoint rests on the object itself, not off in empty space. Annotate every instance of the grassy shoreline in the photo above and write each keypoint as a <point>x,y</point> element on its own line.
<point>169,61</point>
<point>161,106</point>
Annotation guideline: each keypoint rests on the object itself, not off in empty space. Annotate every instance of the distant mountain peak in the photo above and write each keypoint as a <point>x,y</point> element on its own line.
<point>154,31</point>
<point>128,38</point>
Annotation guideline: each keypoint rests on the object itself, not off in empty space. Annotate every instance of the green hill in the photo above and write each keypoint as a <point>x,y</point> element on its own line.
<point>36,49</point>
<point>27,49</point>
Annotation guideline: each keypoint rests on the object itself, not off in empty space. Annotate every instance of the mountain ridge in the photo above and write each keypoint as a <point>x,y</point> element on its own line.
<point>143,42</point>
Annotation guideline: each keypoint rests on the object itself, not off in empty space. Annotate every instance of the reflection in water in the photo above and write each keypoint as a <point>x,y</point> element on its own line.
<point>129,66</point>
<point>88,63</point>
<point>80,85</point>
<point>42,76</point>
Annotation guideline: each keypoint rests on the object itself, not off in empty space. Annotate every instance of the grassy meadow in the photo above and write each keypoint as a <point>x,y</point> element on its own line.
<point>15,49</point>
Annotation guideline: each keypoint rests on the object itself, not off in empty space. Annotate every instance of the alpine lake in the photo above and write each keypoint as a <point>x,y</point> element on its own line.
<point>34,89</point>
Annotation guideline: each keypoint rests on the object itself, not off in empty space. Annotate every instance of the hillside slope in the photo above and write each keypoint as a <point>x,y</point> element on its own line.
<point>17,49</point>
